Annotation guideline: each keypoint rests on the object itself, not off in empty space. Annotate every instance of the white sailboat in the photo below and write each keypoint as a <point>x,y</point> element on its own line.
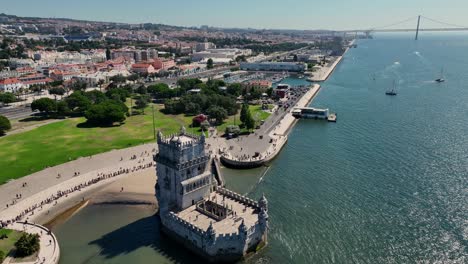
<point>441,79</point>
<point>392,92</point>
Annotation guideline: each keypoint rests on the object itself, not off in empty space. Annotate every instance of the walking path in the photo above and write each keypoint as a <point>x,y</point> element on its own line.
<point>39,197</point>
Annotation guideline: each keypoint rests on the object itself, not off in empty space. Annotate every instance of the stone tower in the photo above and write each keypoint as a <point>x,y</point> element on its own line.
<point>184,176</point>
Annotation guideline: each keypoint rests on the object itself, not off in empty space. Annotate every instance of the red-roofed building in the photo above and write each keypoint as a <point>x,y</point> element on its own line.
<point>34,79</point>
<point>143,68</point>
<point>25,70</point>
<point>161,64</point>
<point>10,85</point>
<point>258,84</point>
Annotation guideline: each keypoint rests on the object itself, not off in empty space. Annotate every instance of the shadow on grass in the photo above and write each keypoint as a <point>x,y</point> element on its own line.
<point>142,233</point>
<point>92,125</point>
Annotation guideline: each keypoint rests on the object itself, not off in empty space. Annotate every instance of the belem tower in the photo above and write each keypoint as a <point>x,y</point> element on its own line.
<point>213,222</point>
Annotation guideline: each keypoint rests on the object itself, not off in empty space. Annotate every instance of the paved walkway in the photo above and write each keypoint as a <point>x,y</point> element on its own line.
<point>49,252</point>
<point>262,147</point>
<point>40,181</point>
<point>18,195</point>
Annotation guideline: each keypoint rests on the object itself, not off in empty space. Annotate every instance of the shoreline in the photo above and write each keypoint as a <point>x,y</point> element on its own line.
<point>137,192</point>
<point>330,69</point>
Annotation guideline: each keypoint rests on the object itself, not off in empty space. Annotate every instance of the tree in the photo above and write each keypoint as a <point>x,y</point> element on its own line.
<point>243,113</point>
<point>234,89</point>
<point>27,245</point>
<point>106,113</point>
<point>118,93</point>
<point>44,105</point>
<point>78,103</point>
<point>205,125</point>
<point>209,63</point>
<point>62,108</point>
<point>232,129</point>
<point>249,121</point>
<point>7,98</point>
<point>133,77</point>
<point>95,96</point>
<point>192,108</point>
<point>142,102</point>
<point>108,53</point>
<point>218,113</point>
<point>118,78</point>
<point>57,91</point>
<point>141,90</point>
<point>4,125</point>
<point>36,88</point>
<point>79,86</point>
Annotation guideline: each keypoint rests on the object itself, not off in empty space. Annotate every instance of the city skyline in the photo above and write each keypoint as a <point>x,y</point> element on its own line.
<point>295,14</point>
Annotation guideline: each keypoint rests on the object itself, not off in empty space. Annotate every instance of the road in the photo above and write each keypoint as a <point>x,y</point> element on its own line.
<point>18,112</point>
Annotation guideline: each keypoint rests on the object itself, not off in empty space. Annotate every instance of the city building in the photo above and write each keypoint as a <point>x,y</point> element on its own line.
<point>163,64</point>
<point>135,54</point>
<point>10,85</point>
<point>281,90</point>
<point>34,79</point>
<point>214,222</point>
<point>230,54</point>
<point>258,84</point>
<point>204,46</point>
<point>274,66</point>
<point>143,68</point>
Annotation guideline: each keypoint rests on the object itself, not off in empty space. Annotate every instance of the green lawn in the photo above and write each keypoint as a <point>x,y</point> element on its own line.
<point>257,113</point>
<point>59,142</point>
<point>56,143</point>
<point>7,244</point>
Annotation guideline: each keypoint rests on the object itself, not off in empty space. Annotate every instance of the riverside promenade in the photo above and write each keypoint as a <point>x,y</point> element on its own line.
<point>41,196</point>
<point>258,149</point>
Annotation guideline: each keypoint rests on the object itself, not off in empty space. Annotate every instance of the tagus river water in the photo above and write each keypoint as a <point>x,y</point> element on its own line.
<point>388,183</point>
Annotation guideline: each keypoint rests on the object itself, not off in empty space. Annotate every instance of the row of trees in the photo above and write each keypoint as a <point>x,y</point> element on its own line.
<point>102,109</point>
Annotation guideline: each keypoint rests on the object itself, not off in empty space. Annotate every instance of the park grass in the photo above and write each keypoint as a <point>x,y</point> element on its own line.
<point>8,244</point>
<point>255,110</point>
<point>60,142</point>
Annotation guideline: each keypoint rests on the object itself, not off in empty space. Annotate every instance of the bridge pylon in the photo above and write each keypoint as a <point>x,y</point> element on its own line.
<point>417,28</point>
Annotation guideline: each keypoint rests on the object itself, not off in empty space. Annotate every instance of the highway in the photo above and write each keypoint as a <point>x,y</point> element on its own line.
<point>18,112</point>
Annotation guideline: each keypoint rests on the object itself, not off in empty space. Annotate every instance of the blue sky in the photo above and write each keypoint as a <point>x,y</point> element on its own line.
<point>290,14</point>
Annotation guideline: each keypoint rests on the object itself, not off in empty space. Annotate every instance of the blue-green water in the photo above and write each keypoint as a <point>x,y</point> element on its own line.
<point>388,183</point>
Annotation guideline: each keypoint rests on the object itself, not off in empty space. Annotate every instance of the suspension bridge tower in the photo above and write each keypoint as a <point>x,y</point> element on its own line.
<point>417,28</point>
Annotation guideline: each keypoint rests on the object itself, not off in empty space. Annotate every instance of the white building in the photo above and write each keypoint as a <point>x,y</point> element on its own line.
<point>10,85</point>
<point>204,46</point>
<point>273,66</point>
<point>231,54</point>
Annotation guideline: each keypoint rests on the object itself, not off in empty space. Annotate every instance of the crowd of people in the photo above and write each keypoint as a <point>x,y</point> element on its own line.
<point>64,193</point>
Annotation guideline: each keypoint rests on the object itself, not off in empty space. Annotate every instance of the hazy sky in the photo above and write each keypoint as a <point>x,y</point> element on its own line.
<point>293,14</point>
